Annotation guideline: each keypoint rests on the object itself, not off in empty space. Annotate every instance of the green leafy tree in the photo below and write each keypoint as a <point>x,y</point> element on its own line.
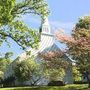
<point>1,75</point>
<point>53,74</point>
<point>27,70</point>
<point>11,23</point>
<point>76,74</point>
<point>4,63</point>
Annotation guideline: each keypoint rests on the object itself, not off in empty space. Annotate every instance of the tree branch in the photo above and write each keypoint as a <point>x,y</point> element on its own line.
<point>8,35</point>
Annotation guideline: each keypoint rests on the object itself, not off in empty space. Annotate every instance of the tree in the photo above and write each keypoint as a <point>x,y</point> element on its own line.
<point>54,65</point>
<point>53,74</point>
<point>78,45</point>
<point>1,76</point>
<point>11,24</point>
<point>4,63</point>
<point>76,74</point>
<point>27,70</point>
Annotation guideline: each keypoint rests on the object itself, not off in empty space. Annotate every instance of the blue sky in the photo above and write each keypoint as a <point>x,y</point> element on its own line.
<point>68,10</point>
<point>64,14</point>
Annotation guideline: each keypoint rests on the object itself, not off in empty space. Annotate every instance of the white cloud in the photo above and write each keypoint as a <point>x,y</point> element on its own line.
<point>67,26</point>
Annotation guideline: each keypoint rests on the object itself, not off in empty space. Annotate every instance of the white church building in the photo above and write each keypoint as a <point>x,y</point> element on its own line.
<point>47,43</point>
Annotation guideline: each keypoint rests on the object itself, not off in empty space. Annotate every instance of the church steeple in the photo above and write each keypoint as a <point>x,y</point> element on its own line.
<point>45,27</point>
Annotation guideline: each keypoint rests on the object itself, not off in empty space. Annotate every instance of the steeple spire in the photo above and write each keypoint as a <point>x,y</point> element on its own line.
<point>45,27</point>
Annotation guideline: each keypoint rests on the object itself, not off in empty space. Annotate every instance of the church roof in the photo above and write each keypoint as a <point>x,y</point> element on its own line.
<point>52,48</point>
<point>55,48</point>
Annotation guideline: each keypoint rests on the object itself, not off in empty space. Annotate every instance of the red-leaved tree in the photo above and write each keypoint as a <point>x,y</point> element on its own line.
<point>78,45</point>
<point>54,64</point>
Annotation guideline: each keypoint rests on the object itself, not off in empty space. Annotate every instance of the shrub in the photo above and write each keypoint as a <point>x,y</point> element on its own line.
<point>79,82</point>
<point>56,83</point>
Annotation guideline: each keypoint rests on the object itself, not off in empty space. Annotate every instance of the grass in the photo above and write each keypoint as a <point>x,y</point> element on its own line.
<point>67,87</point>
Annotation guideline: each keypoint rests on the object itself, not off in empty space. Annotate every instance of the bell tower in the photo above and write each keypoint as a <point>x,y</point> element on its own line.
<point>46,38</point>
<point>45,27</point>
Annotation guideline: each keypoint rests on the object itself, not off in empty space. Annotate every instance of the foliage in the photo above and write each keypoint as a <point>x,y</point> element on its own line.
<point>54,74</point>
<point>1,75</point>
<point>54,59</point>
<point>79,45</point>
<point>25,70</point>
<point>4,63</point>
<point>76,74</point>
<point>54,65</point>
<point>11,9</point>
<point>11,24</point>
<point>51,54</point>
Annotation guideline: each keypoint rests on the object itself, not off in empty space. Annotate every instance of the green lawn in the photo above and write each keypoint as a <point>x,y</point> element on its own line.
<point>67,87</point>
